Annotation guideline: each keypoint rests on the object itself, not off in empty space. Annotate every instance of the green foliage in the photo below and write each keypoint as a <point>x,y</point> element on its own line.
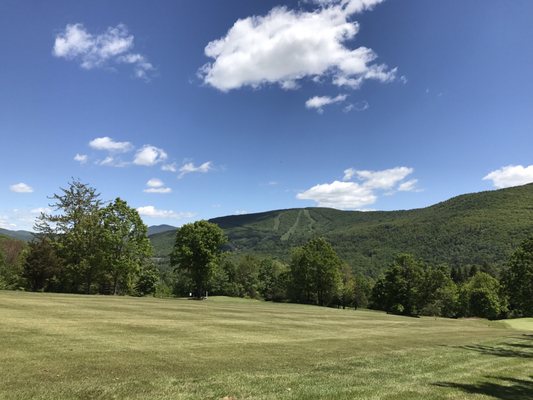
<point>518,279</point>
<point>86,247</point>
<point>363,291</point>
<point>76,233</point>
<point>124,245</point>
<point>273,280</point>
<point>481,296</point>
<point>43,268</point>
<point>197,249</point>
<point>401,290</point>
<point>12,253</point>
<point>315,273</point>
<point>473,229</point>
<point>148,282</point>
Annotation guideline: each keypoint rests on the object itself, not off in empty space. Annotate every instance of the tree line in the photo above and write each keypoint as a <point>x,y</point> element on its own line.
<point>88,246</point>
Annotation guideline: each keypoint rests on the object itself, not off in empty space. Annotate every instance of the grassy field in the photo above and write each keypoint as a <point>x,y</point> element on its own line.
<point>93,347</point>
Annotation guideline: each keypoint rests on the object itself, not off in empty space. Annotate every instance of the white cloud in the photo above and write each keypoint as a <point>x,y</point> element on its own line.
<point>385,179</point>
<point>343,195</point>
<point>110,161</point>
<point>355,195</point>
<point>152,212</point>
<point>511,175</point>
<point>191,168</point>
<point>104,50</point>
<point>169,167</point>
<point>108,144</point>
<point>81,158</point>
<point>161,190</point>
<point>318,102</point>
<point>21,188</point>
<point>240,212</point>
<point>156,185</point>
<point>408,186</point>
<point>149,155</point>
<point>359,106</point>
<point>311,44</point>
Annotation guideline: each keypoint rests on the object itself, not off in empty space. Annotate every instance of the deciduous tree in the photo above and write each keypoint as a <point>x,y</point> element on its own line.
<point>518,279</point>
<point>315,271</point>
<point>197,248</point>
<point>125,245</point>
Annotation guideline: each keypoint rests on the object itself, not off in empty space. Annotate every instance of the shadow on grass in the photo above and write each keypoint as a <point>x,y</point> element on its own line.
<point>507,349</point>
<point>497,387</point>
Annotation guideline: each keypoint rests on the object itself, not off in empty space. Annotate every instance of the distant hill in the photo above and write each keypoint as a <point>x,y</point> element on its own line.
<point>152,230</point>
<point>20,235</point>
<point>473,228</point>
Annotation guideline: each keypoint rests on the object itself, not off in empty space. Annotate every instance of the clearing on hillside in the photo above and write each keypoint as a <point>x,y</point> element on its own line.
<point>94,347</point>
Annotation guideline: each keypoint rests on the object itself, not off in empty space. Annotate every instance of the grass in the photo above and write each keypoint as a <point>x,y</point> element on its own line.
<point>93,347</point>
<point>525,324</point>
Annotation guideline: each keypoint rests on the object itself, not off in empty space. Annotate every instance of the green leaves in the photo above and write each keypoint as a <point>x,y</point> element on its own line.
<point>518,279</point>
<point>315,273</point>
<point>102,249</point>
<point>196,250</point>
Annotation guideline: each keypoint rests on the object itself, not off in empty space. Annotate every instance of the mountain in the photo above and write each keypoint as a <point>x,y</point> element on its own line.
<point>473,228</point>
<point>152,230</point>
<point>20,235</point>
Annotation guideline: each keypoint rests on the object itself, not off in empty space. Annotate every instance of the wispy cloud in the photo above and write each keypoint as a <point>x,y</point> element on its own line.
<point>359,106</point>
<point>111,161</point>
<point>409,186</point>
<point>152,212</point>
<point>318,102</point>
<point>312,44</point>
<point>169,167</point>
<point>21,188</point>
<point>104,50</point>
<point>510,175</point>
<point>108,144</point>
<point>189,168</point>
<point>81,158</point>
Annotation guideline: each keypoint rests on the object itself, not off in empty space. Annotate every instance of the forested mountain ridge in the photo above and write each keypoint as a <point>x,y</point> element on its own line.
<point>479,228</point>
<point>20,235</point>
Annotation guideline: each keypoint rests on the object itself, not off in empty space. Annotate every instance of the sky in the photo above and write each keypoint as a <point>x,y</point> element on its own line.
<point>196,109</point>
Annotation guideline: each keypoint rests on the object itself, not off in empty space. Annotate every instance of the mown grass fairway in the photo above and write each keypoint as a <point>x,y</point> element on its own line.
<point>88,347</point>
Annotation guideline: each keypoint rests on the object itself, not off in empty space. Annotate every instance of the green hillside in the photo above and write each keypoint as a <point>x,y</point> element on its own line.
<point>20,235</point>
<point>469,229</point>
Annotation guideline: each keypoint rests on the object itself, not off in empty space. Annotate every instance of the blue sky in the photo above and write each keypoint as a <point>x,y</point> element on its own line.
<point>198,109</point>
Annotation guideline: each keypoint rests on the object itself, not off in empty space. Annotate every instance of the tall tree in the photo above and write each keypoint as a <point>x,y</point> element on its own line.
<point>43,268</point>
<point>124,244</point>
<point>12,253</point>
<point>197,248</point>
<point>518,280</point>
<point>76,231</point>
<point>273,277</point>
<point>400,290</point>
<point>481,296</point>
<point>315,271</point>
